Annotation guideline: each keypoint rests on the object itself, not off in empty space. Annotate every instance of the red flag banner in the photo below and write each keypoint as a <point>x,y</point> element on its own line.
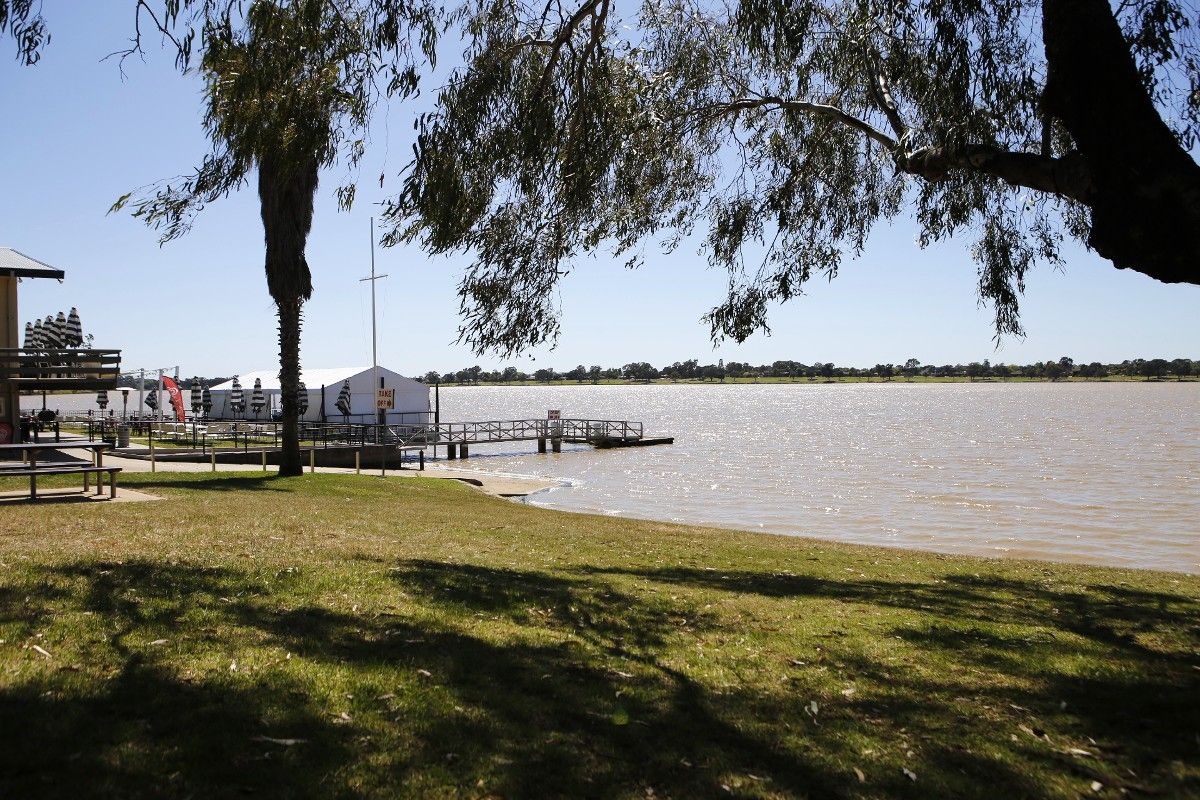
<point>176,397</point>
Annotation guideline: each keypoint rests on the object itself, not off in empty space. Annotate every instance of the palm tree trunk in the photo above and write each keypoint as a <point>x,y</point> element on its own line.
<point>289,381</point>
<point>285,189</point>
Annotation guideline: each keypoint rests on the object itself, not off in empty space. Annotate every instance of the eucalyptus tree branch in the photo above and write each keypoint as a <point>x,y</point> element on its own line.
<point>770,102</point>
<point>882,91</point>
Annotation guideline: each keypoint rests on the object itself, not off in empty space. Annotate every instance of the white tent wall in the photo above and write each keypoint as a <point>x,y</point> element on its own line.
<point>412,397</point>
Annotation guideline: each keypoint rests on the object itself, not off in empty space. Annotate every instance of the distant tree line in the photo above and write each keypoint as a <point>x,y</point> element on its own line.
<point>693,370</point>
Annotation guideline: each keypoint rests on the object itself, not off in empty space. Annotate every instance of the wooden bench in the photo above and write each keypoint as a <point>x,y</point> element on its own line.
<point>85,470</point>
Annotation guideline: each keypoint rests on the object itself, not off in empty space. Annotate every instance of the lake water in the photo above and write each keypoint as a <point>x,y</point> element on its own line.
<point>1105,473</point>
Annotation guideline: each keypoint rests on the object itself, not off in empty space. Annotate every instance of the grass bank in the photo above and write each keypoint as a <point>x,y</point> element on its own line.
<point>334,636</point>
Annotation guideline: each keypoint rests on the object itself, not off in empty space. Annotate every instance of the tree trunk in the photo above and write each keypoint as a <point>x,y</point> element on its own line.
<point>289,384</point>
<point>1145,201</point>
<point>286,186</point>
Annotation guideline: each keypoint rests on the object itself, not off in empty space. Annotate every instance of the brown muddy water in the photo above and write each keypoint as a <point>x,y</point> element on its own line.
<point>1103,473</point>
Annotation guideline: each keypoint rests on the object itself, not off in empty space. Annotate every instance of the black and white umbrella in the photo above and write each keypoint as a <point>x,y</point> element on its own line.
<point>343,399</point>
<point>74,329</point>
<point>301,399</point>
<point>197,396</point>
<point>257,398</point>
<point>237,398</point>
<point>152,399</point>
<point>102,399</point>
<point>35,339</point>
<point>62,331</point>
<point>30,335</point>
<point>49,334</point>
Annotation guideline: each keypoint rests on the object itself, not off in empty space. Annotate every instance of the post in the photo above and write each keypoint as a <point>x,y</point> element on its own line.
<point>451,451</point>
<point>312,461</point>
<point>421,456</point>
<point>358,462</point>
<point>374,346</point>
<point>213,452</point>
<point>264,460</point>
<point>437,415</point>
<point>152,464</point>
<point>541,444</point>
<point>556,444</point>
<point>464,452</point>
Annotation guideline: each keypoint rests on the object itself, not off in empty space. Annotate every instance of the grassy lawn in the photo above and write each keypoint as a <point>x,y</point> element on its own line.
<point>337,636</point>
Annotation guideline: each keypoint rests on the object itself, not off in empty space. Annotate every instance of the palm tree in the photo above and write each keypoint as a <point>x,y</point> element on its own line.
<point>273,93</point>
<point>289,88</point>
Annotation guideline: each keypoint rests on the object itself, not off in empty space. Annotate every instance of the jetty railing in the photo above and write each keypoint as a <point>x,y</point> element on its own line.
<point>517,430</point>
<point>204,435</point>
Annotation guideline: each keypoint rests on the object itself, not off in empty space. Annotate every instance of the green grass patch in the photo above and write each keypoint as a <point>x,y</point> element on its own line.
<point>337,636</point>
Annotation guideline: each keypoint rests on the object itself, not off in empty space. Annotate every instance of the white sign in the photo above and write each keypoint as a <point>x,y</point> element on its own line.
<point>385,398</point>
<point>553,414</point>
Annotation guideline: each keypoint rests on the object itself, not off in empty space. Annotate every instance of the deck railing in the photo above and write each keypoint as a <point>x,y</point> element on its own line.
<point>59,369</point>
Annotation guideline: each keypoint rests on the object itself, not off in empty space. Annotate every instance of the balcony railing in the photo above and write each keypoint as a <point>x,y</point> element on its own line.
<point>69,369</point>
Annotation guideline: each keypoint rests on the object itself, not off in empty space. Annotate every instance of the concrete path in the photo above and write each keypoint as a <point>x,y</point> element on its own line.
<point>497,485</point>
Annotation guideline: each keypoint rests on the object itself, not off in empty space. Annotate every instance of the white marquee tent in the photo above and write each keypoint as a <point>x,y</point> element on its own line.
<point>412,397</point>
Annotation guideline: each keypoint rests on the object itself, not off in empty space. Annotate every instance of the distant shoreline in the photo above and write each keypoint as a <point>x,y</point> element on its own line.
<point>761,381</point>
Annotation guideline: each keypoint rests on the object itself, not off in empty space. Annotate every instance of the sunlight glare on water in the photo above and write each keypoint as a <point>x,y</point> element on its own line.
<point>1101,473</point>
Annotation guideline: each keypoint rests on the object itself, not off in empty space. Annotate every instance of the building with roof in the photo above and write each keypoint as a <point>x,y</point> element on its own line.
<point>41,369</point>
<point>323,387</point>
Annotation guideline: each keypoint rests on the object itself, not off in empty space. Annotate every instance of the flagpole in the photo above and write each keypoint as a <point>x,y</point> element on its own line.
<point>374,337</point>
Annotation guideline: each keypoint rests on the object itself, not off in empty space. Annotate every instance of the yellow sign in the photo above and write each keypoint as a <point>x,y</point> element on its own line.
<point>385,398</point>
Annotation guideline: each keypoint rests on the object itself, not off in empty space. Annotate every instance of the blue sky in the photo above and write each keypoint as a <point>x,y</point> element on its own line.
<point>77,136</point>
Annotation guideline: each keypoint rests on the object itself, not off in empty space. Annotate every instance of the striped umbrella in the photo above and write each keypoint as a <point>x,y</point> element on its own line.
<point>152,399</point>
<point>29,336</point>
<point>62,331</point>
<point>49,334</point>
<point>343,399</point>
<point>237,398</point>
<point>74,329</point>
<point>38,340</point>
<point>197,397</point>
<point>102,399</point>
<point>301,399</point>
<point>206,400</point>
<point>257,399</point>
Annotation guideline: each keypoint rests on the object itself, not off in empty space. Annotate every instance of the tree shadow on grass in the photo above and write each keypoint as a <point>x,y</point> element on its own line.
<point>224,483</point>
<point>524,683</point>
<point>122,723</point>
<point>1112,666</point>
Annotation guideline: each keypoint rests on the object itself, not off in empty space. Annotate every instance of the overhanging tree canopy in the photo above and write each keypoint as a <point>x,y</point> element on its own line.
<point>788,129</point>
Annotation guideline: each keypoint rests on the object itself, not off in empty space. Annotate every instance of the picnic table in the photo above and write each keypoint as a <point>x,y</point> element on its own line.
<point>30,468</point>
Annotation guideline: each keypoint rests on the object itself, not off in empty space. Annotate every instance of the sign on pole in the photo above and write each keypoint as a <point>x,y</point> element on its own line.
<point>385,399</point>
<point>553,414</point>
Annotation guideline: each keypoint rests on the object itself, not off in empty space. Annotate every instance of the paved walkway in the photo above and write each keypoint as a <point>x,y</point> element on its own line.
<point>497,485</point>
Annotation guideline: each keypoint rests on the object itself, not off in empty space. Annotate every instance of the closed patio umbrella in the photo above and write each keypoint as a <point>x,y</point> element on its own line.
<point>237,398</point>
<point>102,399</point>
<point>49,334</point>
<point>257,398</point>
<point>197,396</point>
<point>62,330</point>
<point>152,399</point>
<point>206,400</point>
<point>29,337</point>
<point>343,399</point>
<point>74,329</point>
<point>301,399</point>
